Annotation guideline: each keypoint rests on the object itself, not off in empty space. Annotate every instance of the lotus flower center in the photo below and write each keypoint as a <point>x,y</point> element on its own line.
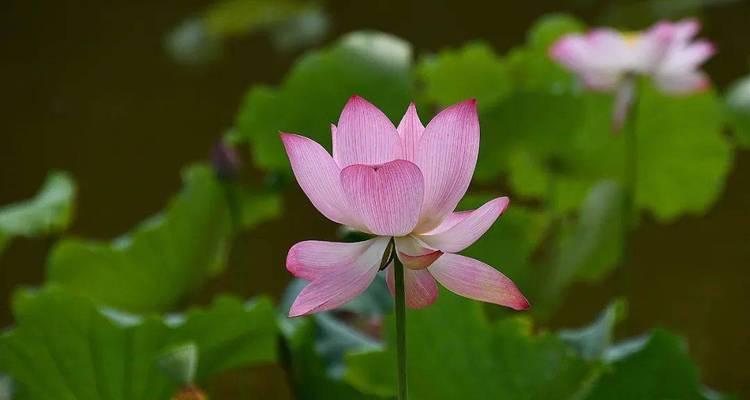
<point>631,38</point>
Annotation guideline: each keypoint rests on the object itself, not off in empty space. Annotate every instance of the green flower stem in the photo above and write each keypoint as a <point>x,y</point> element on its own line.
<point>630,173</point>
<point>400,327</point>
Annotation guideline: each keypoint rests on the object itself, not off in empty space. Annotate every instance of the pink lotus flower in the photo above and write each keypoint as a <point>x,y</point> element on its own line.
<point>401,183</point>
<point>603,58</point>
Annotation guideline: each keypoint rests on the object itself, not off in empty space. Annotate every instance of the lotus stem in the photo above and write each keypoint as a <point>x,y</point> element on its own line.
<point>630,173</point>
<point>400,305</point>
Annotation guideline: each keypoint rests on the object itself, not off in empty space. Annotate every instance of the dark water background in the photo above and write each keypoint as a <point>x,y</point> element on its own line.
<point>86,86</point>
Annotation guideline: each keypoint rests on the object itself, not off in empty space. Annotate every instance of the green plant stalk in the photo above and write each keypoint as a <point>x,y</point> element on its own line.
<point>553,251</point>
<point>630,173</point>
<point>400,305</point>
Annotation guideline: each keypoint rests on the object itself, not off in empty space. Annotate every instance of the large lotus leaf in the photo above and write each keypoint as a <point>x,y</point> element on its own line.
<point>550,134</point>
<point>538,122</point>
<point>312,377</point>
<point>654,367</point>
<point>682,156</point>
<point>480,359</point>
<point>163,258</point>
<point>66,348</point>
<point>51,210</point>
<point>455,352</point>
<point>473,71</point>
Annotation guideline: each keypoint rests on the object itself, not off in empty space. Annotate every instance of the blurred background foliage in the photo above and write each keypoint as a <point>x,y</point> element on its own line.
<point>125,95</point>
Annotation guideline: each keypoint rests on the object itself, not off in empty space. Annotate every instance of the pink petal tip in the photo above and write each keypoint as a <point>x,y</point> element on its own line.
<point>521,305</point>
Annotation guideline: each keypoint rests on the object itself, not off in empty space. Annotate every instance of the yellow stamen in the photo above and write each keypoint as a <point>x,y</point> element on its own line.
<point>631,38</point>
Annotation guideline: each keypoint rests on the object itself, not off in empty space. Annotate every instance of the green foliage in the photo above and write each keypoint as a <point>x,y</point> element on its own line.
<point>232,17</point>
<point>591,342</point>
<point>191,44</point>
<point>536,125</point>
<point>161,260</point>
<point>481,359</point>
<point>690,175</point>
<point>686,179</point>
<point>543,130</point>
<point>333,336</point>
<point>549,140</point>
<point>527,102</point>
<point>373,65</point>
<point>6,387</point>
<point>577,149</point>
<point>555,144</point>
<point>312,377</point>
<point>258,206</point>
<point>483,76</point>
<point>229,334</point>
<point>291,23</point>
<point>65,347</point>
<point>653,366</point>
<point>738,110</point>
<point>473,359</point>
<point>317,343</point>
<point>180,362</point>
<point>585,248</point>
<point>589,248</point>
<point>531,65</point>
<point>658,367</point>
<point>50,211</point>
<point>512,91</point>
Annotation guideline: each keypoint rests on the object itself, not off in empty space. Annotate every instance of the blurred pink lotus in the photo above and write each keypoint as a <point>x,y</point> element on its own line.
<point>603,58</point>
<point>401,183</point>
